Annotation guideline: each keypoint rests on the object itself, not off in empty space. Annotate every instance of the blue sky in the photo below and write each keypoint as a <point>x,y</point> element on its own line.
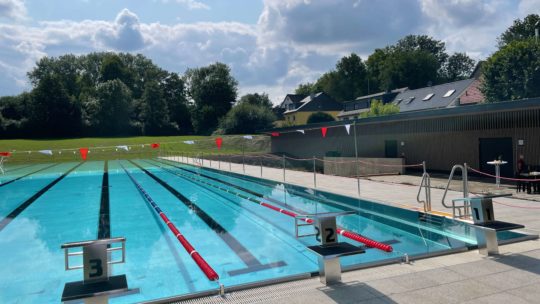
<point>270,45</point>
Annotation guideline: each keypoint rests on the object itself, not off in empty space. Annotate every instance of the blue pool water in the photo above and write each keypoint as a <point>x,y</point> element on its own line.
<point>43,206</point>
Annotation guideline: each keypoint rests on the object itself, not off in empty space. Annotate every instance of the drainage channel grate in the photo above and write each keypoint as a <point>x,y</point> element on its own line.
<point>260,294</point>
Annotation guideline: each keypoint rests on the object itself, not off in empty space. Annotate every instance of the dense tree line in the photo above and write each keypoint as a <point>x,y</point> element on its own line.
<point>513,71</point>
<point>110,94</point>
<point>414,61</point>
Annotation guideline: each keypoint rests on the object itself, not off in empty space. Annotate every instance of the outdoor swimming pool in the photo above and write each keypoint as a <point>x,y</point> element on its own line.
<point>43,206</point>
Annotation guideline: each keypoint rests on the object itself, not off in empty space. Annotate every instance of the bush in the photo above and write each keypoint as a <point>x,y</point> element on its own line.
<point>319,117</point>
<point>247,118</point>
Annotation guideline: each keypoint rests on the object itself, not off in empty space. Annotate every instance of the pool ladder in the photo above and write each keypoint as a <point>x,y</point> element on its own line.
<point>466,204</point>
<point>426,184</point>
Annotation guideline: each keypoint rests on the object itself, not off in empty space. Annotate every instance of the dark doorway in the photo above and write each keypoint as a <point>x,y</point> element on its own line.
<point>390,148</point>
<point>492,149</point>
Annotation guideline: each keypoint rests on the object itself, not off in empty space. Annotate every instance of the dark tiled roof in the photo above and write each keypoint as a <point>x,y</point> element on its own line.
<point>413,100</point>
<point>296,97</point>
<point>317,102</point>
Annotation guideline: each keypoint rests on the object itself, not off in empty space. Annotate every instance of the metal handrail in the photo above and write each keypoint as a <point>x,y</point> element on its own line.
<point>425,183</point>
<point>464,178</point>
<point>67,254</point>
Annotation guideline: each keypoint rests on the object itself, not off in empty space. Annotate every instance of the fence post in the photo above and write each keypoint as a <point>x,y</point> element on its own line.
<point>210,159</point>
<point>230,160</point>
<point>283,167</point>
<point>314,174</point>
<point>243,164</point>
<point>202,159</point>
<point>356,159</point>
<point>260,162</point>
<point>219,162</point>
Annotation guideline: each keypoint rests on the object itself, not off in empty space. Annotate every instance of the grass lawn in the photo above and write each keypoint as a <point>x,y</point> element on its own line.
<point>25,150</point>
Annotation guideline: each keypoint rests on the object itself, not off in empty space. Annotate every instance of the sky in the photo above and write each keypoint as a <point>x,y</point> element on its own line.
<point>270,45</point>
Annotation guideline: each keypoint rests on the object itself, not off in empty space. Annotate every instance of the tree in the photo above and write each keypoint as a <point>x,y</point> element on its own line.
<point>155,111</point>
<point>65,69</point>
<point>513,72</point>
<point>378,108</point>
<point>52,111</point>
<point>256,99</point>
<point>246,118</point>
<point>459,66</point>
<point>174,93</point>
<point>212,90</point>
<point>411,43</point>
<point>319,117</point>
<point>305,89</point>
<point>520,30</point>
<point>108,112</point>
<point>413,69</point>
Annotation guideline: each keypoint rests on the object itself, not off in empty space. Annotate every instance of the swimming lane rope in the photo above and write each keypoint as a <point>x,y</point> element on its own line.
<point>203,265</point>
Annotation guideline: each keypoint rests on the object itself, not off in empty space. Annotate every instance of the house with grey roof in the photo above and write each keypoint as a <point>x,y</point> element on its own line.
<point>444,95</point>
<point>352,109</point>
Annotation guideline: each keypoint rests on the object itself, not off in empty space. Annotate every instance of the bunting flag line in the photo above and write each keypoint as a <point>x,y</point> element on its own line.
<point>324,130</point>
<point>124,147</point>
<point>301,131</point>
<point>248,137</point>
<point>84,153</point>
<point>46,152</point>
<point>275,134</point>
<point>154,145</point>
<point>348,128</point>
<point>5,154</point>
<point>189,142</point>
<point>219,141</point>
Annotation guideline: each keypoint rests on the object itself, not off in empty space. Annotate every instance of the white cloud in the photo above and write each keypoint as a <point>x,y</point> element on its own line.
<point>294,41</point>
<point>12,9</point>
<point>191,4</point>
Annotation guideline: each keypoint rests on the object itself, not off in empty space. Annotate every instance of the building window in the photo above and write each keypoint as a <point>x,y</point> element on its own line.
<point>449,93</point>
<point>410,99</point>
<point>399,101</point>
<point>428,96</point>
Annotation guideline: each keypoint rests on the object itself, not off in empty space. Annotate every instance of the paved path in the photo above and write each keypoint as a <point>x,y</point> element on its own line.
<point>511,277</point>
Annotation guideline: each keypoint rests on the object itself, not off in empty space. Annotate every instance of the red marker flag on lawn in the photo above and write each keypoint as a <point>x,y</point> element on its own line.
<point>84,153</point>
<point>323,130</point>
<point>219,141</point>
<point>274,134</point>
<point>5,154</point>
<point>154,145</point>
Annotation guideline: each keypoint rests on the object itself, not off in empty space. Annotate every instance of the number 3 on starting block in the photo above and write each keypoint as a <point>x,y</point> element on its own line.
<point>95,263</point>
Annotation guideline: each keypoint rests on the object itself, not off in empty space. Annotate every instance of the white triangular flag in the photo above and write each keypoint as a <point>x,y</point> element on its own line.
<point>301,131</point>
<point>189,142</point>
<point>122,147</point>
<point>348,128</point>
<point>248,137</point>
<point>46,152</point>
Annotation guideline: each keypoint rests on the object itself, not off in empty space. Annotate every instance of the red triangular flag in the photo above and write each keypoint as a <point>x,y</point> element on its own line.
<point>84,153</point>
<point>275,134</point>
<point>154,146</point>
<point>6,154</point>
<point>323,130</point>
<point>219,141</point>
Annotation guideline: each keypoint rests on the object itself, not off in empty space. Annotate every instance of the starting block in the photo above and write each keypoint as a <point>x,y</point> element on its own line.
<point>97,261</point>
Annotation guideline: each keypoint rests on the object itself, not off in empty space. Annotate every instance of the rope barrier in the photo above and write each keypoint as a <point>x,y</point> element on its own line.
<point>516,206</point>
<point>505,178</point>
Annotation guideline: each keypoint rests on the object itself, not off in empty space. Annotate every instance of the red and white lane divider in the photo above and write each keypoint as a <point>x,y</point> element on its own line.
<point>203,265</point>
<point>348,234</point>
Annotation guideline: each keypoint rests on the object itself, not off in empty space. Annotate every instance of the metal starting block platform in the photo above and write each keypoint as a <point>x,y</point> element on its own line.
<point>97,261</point>
<point>487,227</point>
<point>330,249</point>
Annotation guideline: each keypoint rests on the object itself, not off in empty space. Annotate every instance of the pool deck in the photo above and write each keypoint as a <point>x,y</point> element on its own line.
<point>513,276</point>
